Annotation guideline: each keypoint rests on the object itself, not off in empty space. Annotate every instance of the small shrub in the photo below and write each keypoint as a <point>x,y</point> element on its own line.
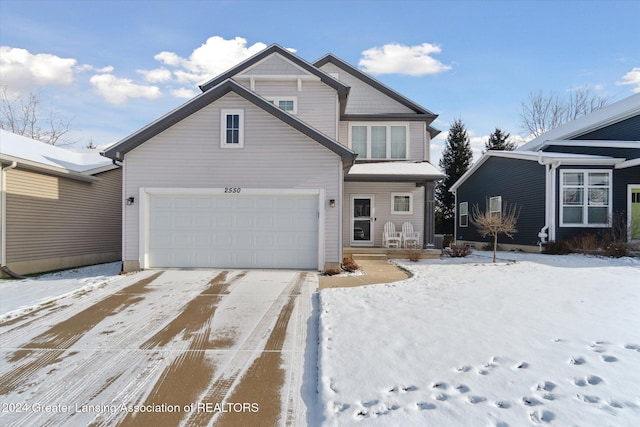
<point>617,250</point>
<point>414,253</point>
<point>560,247</point>
<point>348,264</point>
<point>489,247</point>
<point>331,272</point>
<point>460,251</point>
<point>586,244</point>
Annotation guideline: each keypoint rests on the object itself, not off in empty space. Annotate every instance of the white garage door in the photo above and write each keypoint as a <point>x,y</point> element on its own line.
<point>233,231</point>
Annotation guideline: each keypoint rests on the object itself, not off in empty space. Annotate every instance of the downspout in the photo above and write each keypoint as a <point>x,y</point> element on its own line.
<point>3,213</point>
<point>550,202</point>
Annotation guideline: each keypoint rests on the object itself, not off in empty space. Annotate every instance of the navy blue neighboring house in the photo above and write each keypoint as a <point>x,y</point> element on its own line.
<point>569,181</point>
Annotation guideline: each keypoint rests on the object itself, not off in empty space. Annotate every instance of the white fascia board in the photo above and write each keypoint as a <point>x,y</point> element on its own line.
<point>592,143</point>
<point>628,164</point>
<point>51,170</point>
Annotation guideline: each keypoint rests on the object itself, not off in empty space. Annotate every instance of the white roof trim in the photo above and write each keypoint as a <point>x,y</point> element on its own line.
<point>592,143</point>
<point>605,116</point>
<point>628,164</point>
<point>534,156</point>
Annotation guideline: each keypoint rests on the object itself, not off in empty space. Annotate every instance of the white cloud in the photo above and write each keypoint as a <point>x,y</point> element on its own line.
<point>117,91</point>
<point>632,78</point>
<point>22,70</point>
<point>215,56</point>
<point>158,75</point>
<point>395,58</point>
<point>184,93</point>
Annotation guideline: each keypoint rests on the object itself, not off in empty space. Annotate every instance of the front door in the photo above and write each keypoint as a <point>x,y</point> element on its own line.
<point>362,220</point>
<point>634,212</point>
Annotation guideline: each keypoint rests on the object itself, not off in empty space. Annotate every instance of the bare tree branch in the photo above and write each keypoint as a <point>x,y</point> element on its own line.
<point>494,224</point>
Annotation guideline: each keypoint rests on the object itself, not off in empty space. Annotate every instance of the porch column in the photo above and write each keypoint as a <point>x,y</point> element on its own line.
<point>429,213</point>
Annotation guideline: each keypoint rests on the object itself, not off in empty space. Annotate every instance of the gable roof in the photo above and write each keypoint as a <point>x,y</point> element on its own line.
<point>607,115</point>
<point>119,149</point>
<point>342,89</point>
<point>418,109</point>
<point>39,156</point>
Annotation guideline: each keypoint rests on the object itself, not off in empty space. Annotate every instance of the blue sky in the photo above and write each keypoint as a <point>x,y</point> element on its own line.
<point>114,66</point>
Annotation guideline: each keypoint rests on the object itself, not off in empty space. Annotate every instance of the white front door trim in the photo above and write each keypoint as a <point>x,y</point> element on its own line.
<point>145,192</point>
<point>630,224</point>
<point>370,217</point>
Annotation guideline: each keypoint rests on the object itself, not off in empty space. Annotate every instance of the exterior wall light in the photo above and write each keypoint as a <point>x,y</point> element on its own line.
<point>130,201</point>
<point>332,203</point>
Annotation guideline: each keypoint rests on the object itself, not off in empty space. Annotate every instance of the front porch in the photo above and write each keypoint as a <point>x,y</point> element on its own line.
<point>387,253</point>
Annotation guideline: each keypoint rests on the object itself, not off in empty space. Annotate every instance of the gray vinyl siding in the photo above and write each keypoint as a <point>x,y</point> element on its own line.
<point>317,102</point>
<point>417,138</point>
<point>364,99</point>
<point>382,193</point>
<point>50,217</point>
<point>517,181</point>
<point>621,179</point>
<point>274,65</point>
<point>275,156</point>
<point>625,130</point>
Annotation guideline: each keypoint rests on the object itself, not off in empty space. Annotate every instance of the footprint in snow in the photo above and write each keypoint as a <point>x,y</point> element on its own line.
<point>522,365</point>
<point>545,386</point>
<point>588,399</point>
<point>369,403</point>
<point>409,388</point>
<point>577,361</point>
<point>423,406</point>
<point>635,347</point>
<point>530,401</point>
<point>541,416</point>
<point>594,380</point>
<point>597,346</point>
<point>441,397</point>
<point>609,359</point>
<point>462,388</point>
<point>548,396</point>
<point>463,368</point>
<point>483,372</point>
<point>476,399</point>
<point>439,385</point>
<point>502,404</point>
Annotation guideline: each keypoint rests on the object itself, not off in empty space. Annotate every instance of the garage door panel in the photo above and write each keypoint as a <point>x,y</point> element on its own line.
<point>233,231</point>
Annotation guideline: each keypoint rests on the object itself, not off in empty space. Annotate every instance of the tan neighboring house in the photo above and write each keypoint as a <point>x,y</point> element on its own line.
<point>58,208</point>
<point>278,163</point>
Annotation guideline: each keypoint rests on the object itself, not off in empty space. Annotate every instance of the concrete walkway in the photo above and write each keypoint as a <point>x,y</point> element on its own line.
<point>375,271</point>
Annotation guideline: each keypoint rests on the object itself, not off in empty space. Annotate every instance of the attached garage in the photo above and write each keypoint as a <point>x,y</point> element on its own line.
<point>231,228</point>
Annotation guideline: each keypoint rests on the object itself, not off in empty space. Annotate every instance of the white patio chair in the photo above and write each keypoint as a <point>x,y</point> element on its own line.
<point>409,236</point>
<point>390,237</point>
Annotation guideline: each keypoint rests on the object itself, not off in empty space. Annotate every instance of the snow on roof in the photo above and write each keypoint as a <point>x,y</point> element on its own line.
<point>20,147</point>
<point>396,169</point>
<point>605,116</point>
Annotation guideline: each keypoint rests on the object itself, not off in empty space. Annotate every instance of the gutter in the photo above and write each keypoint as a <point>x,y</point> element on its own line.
<point>3,220</point>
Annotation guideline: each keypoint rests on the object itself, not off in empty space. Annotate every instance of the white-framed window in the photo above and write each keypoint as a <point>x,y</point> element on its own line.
<point>378,141</point>
<point>585,198</point>
<point>495,206</point>
<point>232,129</point>
<point>464,214</point>
<point>402,203</point>
<point>288,103</point>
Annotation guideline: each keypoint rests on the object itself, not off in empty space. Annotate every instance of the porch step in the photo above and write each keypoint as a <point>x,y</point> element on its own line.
<point>381,257</point>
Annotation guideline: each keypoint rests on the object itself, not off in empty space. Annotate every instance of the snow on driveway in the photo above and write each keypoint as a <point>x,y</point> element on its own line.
<point>536,340</point>
<point>155,348</point>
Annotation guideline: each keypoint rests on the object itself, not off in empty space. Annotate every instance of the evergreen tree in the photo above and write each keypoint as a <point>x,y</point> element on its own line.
<point>498,140</point>
<point>456,160</point>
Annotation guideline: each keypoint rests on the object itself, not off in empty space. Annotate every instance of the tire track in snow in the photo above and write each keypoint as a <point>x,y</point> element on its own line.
<point>264,378</point>
<point>188,375</point>
<point>47,348</point>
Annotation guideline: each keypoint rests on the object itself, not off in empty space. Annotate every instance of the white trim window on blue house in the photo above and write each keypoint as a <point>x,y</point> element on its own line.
<point>379,141</point>
<point>464,214</point>
<point>586,198</point>
<point>232,128</point>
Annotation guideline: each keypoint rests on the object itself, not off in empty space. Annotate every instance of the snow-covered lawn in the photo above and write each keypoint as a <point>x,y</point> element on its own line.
<point>539,339</point>
<point>20,296</point>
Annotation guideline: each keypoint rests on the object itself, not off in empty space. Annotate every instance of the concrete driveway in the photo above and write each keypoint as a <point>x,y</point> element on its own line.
<point>163,348</point>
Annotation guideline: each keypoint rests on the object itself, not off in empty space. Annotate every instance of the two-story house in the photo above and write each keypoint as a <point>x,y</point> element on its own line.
<point>278,163</point>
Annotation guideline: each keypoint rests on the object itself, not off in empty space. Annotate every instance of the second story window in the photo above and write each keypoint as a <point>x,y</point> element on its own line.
<point>379,141</point>
<point>288,104</point>
<point>232,129</point>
